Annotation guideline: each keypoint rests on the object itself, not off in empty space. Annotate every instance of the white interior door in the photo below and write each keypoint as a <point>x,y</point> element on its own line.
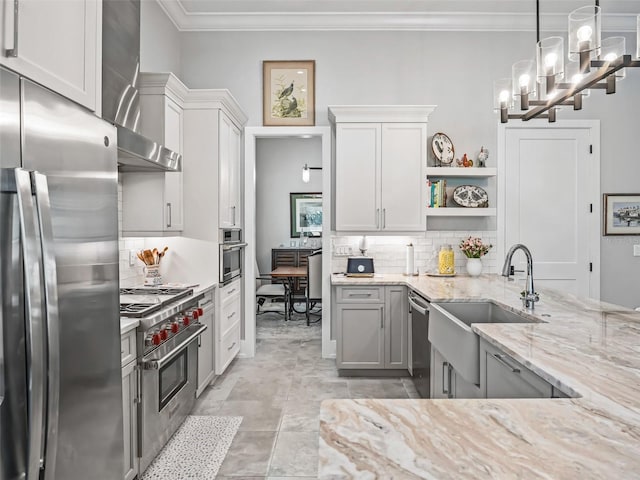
<point>550,180</point>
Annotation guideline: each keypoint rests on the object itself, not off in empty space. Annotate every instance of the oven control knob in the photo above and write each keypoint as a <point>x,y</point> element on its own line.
<point>200,311</point>
<point>163,334</point>
<point>175,326</point>
<point>185,321</point>
<point>195,314</point>
<point>149,340</point>
<point>156,339</point>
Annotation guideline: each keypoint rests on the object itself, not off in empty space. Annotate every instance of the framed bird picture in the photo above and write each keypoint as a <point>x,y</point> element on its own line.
<point>289,93</point>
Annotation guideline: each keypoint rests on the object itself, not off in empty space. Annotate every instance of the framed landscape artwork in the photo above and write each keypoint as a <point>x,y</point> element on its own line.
<point>306,214</point>
<point>621,213</point>
<point>288,96</point>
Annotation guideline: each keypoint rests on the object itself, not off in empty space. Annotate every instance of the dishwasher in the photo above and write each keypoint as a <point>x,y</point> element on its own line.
<point>420,346</point>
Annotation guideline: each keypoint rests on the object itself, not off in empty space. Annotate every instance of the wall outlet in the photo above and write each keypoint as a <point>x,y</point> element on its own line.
<point>133,257</point>
<point>343,250</point>
<point>636,250</point>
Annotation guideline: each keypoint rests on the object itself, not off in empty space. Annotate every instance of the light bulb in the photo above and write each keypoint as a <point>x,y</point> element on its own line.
<point>504,96</point>
<point>306,174</point>
<point>610,57</point>
<point>584,33</point>
<point>550,59</point>
<point>576,78</point>
<point>524,80</point>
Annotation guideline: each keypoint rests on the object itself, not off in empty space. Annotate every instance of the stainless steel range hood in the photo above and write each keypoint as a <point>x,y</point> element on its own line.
<point>120,98</point>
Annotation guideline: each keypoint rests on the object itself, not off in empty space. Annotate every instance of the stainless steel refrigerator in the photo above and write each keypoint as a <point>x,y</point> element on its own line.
<point>60,378</point>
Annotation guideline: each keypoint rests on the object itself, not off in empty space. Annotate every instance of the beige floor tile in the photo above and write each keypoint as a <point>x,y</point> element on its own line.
<point>249,454</point>
<point>295,454</point>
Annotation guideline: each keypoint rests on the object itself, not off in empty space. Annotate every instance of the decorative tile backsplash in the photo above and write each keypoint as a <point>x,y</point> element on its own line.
<point>389,253</point>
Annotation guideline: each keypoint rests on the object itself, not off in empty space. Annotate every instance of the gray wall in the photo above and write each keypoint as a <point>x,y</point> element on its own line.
<point>454,70</point>
<point>279,164</point>
<point>159,40</point>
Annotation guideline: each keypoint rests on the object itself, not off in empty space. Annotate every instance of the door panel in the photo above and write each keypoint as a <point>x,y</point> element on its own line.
<point>361,336</point>
<point>403,181</point>
<point>548,189</point>
<point>358,157</point>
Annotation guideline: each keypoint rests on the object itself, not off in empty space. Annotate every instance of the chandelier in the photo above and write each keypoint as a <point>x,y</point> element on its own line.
<point>538,88</point>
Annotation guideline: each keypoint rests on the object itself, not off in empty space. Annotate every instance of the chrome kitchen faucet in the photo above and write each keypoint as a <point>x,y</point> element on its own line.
<point>529,296</point>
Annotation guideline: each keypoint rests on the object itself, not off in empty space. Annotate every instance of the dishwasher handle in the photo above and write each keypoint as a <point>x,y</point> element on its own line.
<point>416,303</point>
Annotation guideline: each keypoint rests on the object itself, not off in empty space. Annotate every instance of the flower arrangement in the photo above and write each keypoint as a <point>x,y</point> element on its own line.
<point>473,247</point>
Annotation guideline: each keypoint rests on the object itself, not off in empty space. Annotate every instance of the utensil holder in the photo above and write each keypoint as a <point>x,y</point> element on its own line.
<point>152,275</point>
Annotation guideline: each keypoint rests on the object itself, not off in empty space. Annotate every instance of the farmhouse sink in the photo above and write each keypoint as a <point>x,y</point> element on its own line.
<point>450,332</point>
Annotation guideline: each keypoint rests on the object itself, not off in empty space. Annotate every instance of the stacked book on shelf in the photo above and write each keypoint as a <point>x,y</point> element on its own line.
<point>437,193</point>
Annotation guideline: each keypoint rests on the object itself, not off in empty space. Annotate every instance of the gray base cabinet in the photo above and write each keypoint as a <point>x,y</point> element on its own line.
<point>503,377</point>
<point>447,383</point>
<point>372,327</point>
<point>130,404</point>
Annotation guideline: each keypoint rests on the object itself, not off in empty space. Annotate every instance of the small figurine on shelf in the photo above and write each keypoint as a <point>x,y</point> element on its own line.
<point>482,157</point>
<point>464,161</point>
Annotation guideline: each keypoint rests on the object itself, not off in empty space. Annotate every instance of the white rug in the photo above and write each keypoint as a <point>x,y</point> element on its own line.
<point>196,450</point>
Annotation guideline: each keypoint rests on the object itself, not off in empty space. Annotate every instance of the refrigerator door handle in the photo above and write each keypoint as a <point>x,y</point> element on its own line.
<point>34,322</point>
<point>43,205</point>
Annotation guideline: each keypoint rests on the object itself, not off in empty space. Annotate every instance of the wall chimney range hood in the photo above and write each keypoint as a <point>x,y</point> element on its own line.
<point>120,97</point>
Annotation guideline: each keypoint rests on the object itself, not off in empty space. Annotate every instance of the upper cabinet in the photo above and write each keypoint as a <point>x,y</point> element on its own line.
<point>152,202</point>
<point>212,169</point>
<point>380,168</point>
<point>56,43</point>
<point>230,168</point>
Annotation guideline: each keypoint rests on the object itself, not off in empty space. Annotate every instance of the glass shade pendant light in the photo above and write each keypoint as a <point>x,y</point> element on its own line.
<point>584,35</point>
<point>306,174</point>
<point>550,62</point>
<point>502,97</point>
<point>612,49</point>
<point>523,77</point>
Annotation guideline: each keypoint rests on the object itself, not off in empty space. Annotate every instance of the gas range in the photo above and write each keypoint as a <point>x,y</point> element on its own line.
<point>164,313</point>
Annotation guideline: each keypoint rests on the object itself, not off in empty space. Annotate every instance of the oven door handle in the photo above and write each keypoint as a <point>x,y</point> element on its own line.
<point>233,246</point>
<point>158,363</point>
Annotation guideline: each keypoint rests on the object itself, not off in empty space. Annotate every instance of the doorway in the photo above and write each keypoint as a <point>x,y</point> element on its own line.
<point>253,254</point>
<point>549,200</point>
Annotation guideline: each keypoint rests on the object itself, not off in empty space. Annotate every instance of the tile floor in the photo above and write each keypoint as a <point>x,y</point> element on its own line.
<point>278,394</point>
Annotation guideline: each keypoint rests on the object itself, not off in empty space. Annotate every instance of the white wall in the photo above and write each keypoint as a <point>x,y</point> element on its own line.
<point>279,164</point>
<point>159,40</point>
<point>454,70</point>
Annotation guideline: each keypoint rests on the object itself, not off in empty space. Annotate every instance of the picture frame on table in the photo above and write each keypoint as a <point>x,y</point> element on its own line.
<point>305,214</point>
<point>621,213</point>
<point>288,97</point>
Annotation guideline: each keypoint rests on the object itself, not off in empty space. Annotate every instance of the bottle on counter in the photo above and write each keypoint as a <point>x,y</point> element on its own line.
<point>446,260</point>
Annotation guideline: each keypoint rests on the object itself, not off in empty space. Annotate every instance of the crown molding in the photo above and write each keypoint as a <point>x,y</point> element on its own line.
<point>363,21</point>
<point>380,113</point>
<point>163,83</point>
<point>219,98</point>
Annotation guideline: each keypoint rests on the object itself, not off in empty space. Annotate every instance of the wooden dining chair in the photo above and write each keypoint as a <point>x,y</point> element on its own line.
<point>313,292</point>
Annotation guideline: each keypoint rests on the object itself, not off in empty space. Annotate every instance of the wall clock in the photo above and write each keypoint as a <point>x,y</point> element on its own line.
<point>442,148</point>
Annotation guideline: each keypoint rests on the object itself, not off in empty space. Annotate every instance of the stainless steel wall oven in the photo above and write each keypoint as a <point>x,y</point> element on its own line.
<point>231,254</point>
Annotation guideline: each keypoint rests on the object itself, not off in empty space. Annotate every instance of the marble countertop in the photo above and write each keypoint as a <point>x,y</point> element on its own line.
<point>588,349</point>
<point>128,324</point>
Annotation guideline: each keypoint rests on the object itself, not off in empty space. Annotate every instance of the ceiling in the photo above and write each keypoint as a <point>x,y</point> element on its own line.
<point>442,15</point>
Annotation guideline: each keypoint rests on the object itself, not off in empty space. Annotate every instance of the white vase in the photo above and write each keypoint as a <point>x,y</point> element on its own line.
<point>474,266</point>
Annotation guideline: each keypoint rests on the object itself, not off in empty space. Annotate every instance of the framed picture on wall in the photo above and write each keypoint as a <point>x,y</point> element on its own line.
<point>621,213</point>
<point>288,96</point>
<point>306,214</point>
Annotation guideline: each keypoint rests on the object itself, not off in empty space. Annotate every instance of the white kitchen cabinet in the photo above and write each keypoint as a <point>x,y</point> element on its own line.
<point>230,192</point>
<point>227,325</point>
<point>213,123</point>
<point>371,328</point>
<point>206,343</point>
<point>152,202</point>
<point>57,43</point>
<point>380,163</point>
<point>130,374</point>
